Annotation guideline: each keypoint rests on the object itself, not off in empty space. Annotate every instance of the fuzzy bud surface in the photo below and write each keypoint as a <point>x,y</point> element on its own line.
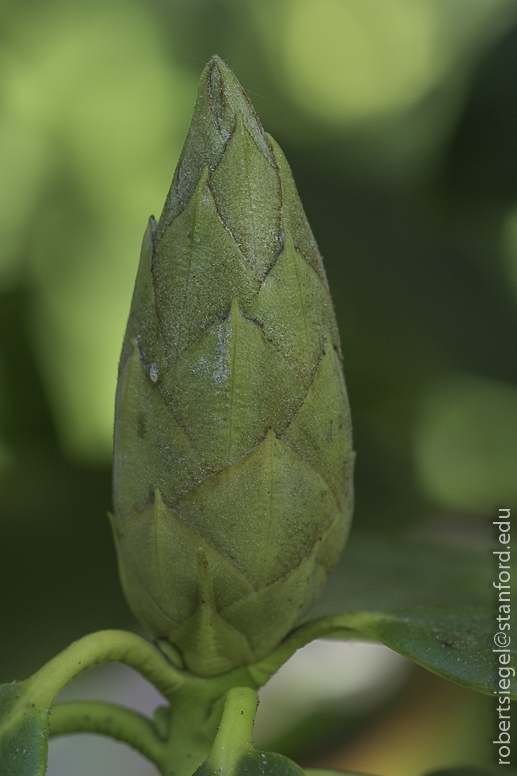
<point>233,450</point>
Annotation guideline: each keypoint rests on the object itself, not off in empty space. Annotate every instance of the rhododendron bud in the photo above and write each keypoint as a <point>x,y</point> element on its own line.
<point>233,452</point>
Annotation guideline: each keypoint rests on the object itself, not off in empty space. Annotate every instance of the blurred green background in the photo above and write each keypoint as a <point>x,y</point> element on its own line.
<point>399,119</point>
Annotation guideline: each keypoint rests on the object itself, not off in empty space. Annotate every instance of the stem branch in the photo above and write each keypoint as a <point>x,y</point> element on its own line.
<point>235,729</point>
<point>108,719</point>
<point>348,625</point>
<point>101,647</point>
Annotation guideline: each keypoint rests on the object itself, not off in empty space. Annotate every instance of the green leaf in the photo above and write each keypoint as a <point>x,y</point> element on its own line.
<point>23,732</point>
<point>257,763</point>
<point>453,642</point>
<point>261,763</point>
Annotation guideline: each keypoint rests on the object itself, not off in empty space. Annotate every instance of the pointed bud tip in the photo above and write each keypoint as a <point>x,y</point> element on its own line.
<point>227,99</point>
<point>218,70</point>
<point>225,93</point>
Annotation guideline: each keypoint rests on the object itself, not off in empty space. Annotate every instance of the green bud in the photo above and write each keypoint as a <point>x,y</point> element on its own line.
<point>233,452</point>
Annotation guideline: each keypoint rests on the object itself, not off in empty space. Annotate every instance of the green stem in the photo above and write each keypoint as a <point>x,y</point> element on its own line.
<point>235,731</point>
<point>189,726</point>
<point>182,737</point>
<point>347,625</point>
<point>194,716</point>
<point>101,647</point>
<point>108,719</point>
<point>205,732</point>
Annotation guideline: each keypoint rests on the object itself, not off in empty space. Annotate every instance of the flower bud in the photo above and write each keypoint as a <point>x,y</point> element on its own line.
<point>233,452</point>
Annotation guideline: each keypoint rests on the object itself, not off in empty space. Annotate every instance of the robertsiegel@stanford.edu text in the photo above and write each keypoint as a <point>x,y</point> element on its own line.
<point>506,672</point>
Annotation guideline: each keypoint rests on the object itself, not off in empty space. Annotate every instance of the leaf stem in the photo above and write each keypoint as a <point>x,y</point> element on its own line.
<point>233,737</point>
<point>348,625</point>
<point>101,647</point>
<point>108,719</point>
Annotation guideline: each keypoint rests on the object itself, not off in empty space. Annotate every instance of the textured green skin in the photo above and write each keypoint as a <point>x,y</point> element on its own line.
<point>232,430</point>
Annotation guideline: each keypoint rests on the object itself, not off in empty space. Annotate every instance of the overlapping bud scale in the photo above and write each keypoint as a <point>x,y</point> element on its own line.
<point>233,457</point>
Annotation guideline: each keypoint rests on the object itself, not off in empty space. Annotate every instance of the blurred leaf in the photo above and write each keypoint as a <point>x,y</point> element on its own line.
<point>317,733</point>
<point>92,116</point>
<point>347,64</point>
<point>344,63</point>
<point>483,151</point>
<point>25,413</point>
<point>375,573</point>
<point>509,242</point>
<point>23,732</point>
<point>58,574</point>
<point>466,454</point>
